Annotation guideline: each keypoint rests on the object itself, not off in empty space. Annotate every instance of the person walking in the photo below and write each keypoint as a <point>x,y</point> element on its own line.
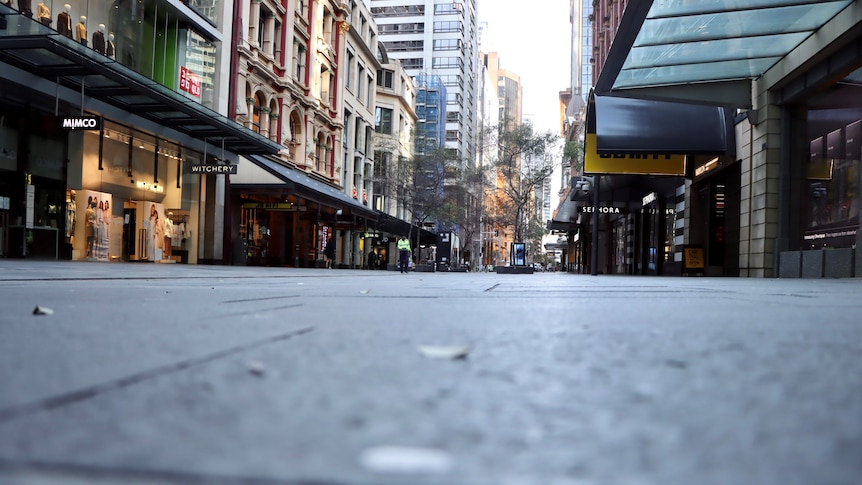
<point>372,259</point>
<point>403,254</point>
<point>329,252</point>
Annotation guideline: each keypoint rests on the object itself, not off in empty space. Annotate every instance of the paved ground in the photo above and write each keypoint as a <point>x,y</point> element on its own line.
<point>176,374</point>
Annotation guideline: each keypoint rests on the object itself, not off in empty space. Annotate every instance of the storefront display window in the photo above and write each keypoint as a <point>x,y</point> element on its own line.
<point>831,212</point>
<point>149,36</point>
<point>135,204</point>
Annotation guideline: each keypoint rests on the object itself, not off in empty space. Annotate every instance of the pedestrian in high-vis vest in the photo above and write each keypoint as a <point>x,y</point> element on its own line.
<point>403,254</point>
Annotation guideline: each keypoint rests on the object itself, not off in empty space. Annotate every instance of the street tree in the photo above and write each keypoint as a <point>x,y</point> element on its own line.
<point>420,183</point>
<point>522,161</point>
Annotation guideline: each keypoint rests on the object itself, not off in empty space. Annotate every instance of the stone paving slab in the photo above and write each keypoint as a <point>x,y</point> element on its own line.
<point>203,374</point>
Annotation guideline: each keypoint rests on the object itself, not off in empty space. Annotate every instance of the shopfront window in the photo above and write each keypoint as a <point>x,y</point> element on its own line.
<point>208,9</point>
<point>151,37</point>
<point>143,206</point>
<point>831,213</point>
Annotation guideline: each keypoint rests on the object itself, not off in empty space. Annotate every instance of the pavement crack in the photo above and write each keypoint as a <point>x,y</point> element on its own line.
<point>107,474</point>
<point>90,392</point>
<point>246,300</point>
<point>491,288</point>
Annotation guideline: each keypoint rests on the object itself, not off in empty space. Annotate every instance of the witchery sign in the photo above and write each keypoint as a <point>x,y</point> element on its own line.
<point>213,168</point>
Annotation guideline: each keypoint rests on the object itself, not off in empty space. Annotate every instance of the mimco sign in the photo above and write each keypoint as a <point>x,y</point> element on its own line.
<point>81,122</point>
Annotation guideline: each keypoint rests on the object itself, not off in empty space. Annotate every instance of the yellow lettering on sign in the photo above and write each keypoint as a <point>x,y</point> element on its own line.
<point>637,164</point>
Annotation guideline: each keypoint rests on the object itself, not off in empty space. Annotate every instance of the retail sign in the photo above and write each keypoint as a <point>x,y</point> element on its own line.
<point>649,198</point>
<point>213,168</point>
<point>706,167</point>
<point>274,206</point>
<point>190,82</point>
<point>628,163</point>
<point>588,209</point>
<point>156,188</point>
<point>81,122</point>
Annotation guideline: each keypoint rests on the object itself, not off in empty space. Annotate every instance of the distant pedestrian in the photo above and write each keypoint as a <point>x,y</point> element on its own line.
<point>404,254</point>
<point>329,252</point>
<point>372,259</point>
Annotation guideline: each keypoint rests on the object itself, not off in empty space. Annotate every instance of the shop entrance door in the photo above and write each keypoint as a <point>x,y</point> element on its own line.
<point>129,213</point>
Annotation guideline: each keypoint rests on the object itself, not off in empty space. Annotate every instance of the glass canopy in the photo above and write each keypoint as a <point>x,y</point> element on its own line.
<point>689,41</point>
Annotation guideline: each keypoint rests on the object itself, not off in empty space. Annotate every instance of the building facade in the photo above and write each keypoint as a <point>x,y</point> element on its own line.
<point>440,39</point>
<point>115,136</point>
<point>299,84</point>
<point>772,188</point>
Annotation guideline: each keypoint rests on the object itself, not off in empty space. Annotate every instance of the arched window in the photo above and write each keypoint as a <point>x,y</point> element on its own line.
<point>256,112</point>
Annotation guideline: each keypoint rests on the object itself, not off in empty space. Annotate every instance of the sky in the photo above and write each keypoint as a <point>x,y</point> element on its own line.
<point>533,39</point>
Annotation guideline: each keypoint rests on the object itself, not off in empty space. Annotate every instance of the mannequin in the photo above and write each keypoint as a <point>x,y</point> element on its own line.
<point>110,51</point>
<point>99,39</point>
<point>90,227</point>
<point>43,13</point>
<point>71,216</point>
<point>24,7</point>
<point>169,233</point>
<point>64,21</point>
<point>81,31</point>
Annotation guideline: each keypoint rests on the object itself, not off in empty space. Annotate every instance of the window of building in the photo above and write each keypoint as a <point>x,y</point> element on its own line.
<point>360,74</point>
<point>385,78</point>
<point>261,29</point>
<point>398,11</point>
<point>405,46</point>
<point>831,195</point>
<point>383,121</point>
<point>408,28</point>
<point>369,140</point>
<point>345,135</point>
<point>326,85</point>
<point>257,112</point>
<point>348,73</point>
<point>299,51</point>
<point>448,8</point>
<point>413,63</point>
<point>440,27</point>
<point>447,44</point>
<point>359,135</point>
<point>302,7</point>
<point>446,62</point>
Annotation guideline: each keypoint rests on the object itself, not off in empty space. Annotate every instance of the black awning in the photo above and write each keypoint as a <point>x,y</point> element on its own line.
<point>312,189</point>
<point>397,227</point>
<point>638,126</point>
<point>49,55</point>
<point>566,216</point>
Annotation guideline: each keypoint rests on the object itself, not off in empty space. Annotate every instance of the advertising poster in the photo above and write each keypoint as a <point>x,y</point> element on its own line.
<point>520,251</point>
<point>93,226</point>
<point>151,231</point>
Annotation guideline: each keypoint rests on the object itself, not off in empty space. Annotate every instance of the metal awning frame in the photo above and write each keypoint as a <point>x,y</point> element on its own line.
<point>49,55</point>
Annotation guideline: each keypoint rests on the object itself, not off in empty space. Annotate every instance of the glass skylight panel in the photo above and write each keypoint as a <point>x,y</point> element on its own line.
<point>672,8</point>
<point>684,41</point>
<point>745,23</point>
<point>713,50</point>
<point>693,73</point>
